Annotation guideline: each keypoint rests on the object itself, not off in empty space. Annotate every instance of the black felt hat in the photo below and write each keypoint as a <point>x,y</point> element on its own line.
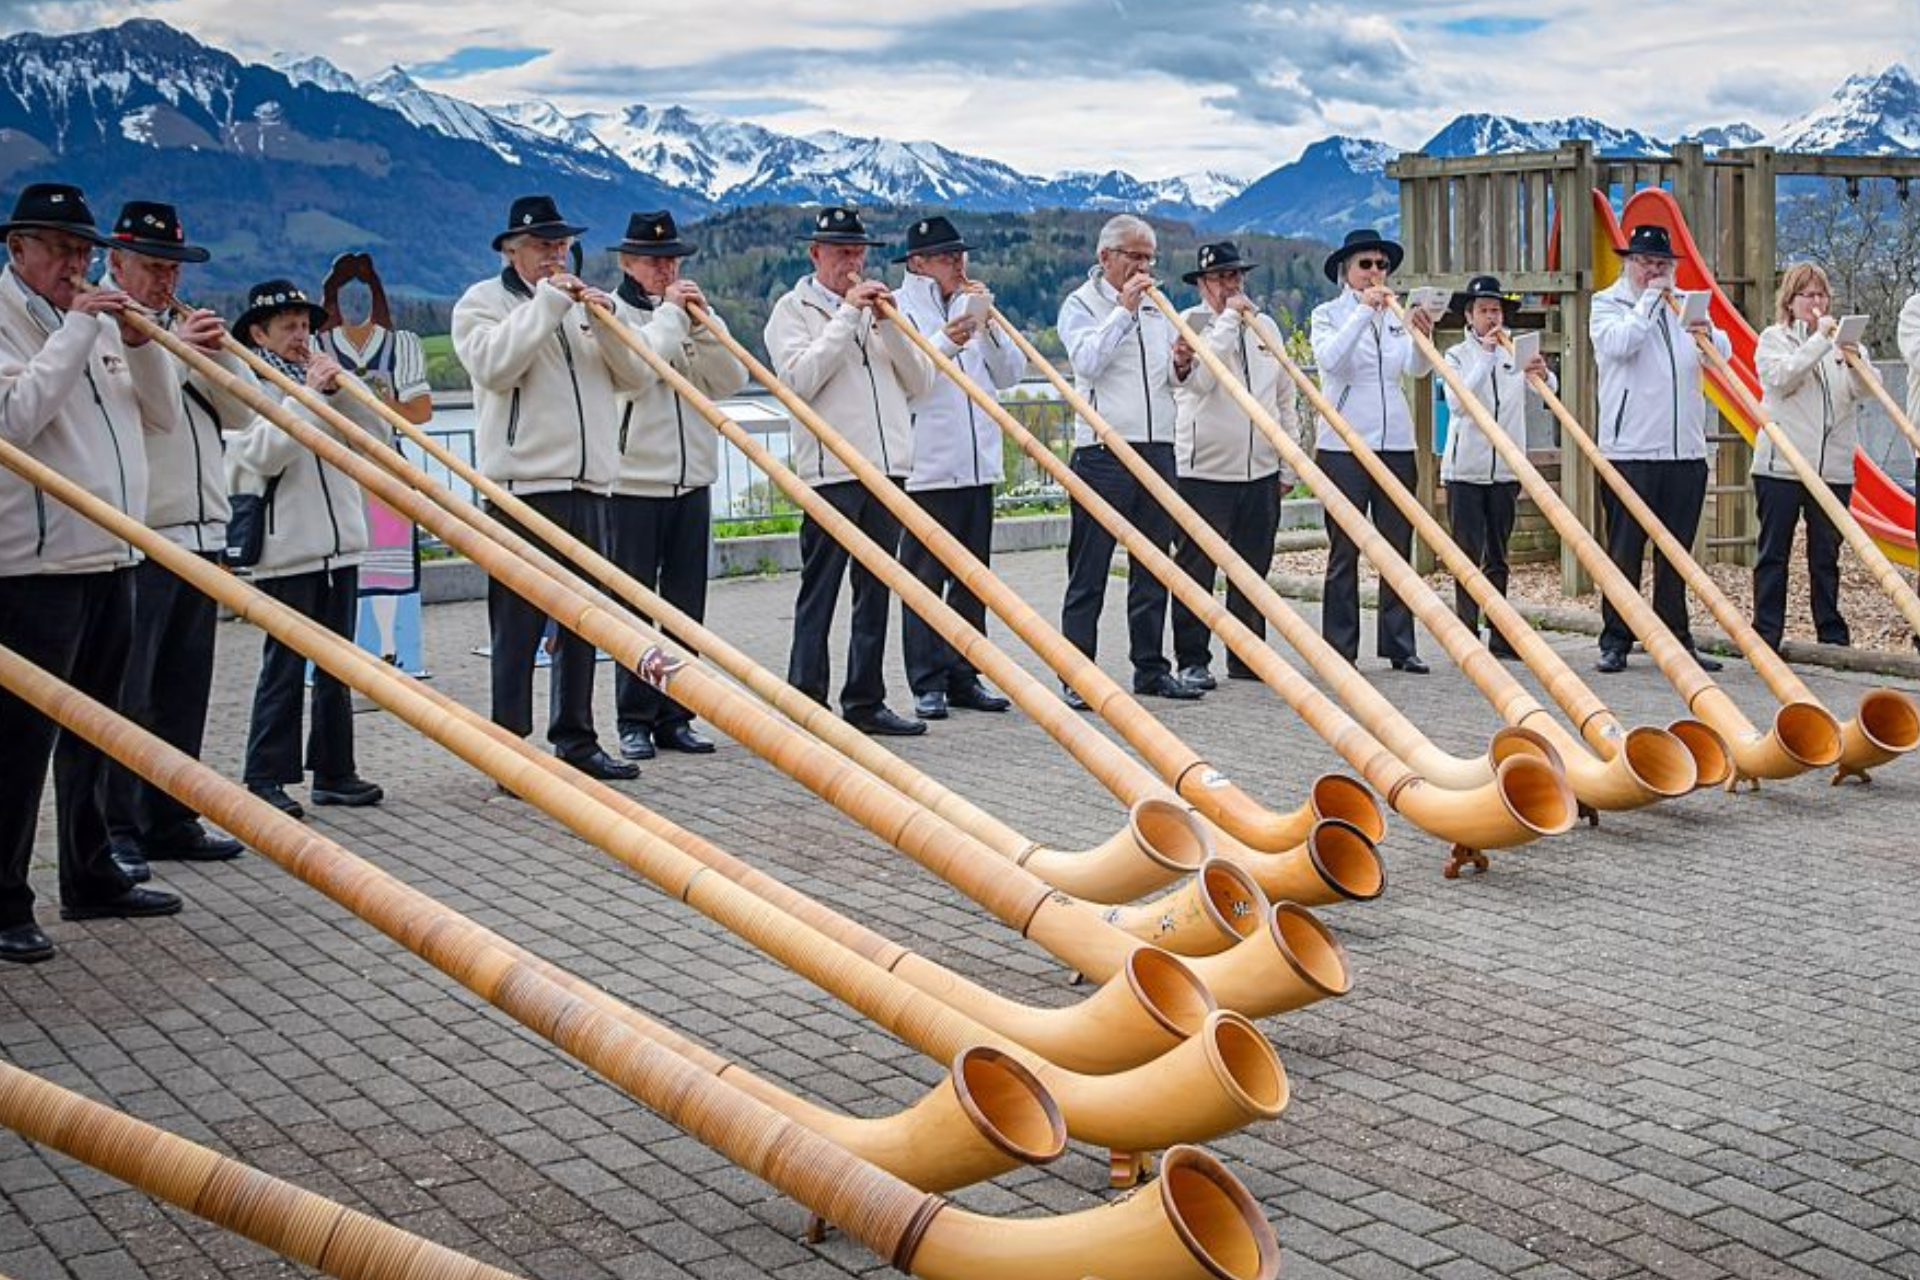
<point>268,299</point>
<point>654,235</point>
<point>1484,287</point>
<point>53,206</point>
<point>837,224</point>
<point>933,235</point>
<point>1649,241</point>
<point>1357,241</point>
<point>153,230</point>
<point>1221,256</point>
<point>536,216</point>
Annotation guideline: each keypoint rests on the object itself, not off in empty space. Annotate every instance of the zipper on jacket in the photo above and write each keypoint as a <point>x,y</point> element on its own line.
<point>626,420</point>
<point>326,495</point>
<point>680,421</point>
<point>1146,383</point>
<point>189,396</point>
<point>1673,373</point>
<point>1246,376</point>
<point>1380,370</point>
<point>1493,456</point>
<point>513,418</point>
<point>119,462</point>
<point>579,405</point>
<point>1826,414</point>
<point>879,422</point>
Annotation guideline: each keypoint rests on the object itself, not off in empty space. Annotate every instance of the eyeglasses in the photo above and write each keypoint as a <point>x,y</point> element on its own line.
<point>1811,294</point>
<point>1145,259</point>
<point>63,246</point>
<point>1372,264</point>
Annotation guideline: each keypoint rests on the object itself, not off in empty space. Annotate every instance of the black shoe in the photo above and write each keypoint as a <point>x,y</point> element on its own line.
<point>1611,661</point>
<point>931,706</point>
<point>134,902</point>
<point>25,944</point>
<point>352,791</point>
<point>1413,666</point>
<point>883,722</point>
<point>598,764</point>
<point>1504,652</point>
<point>974,696</point>
<point>636,744</point>
<point>200,846</point>
<point>681,738</point>
<point>1707,664</point>
<point>1199,677</point>
<point>1164,684</point>
<point>1237,672</point>
<point>276,795</point>
<point>1072,698</point>
<point>131,861</point>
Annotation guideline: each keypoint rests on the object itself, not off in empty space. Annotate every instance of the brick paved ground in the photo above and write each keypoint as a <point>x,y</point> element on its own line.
<point>1682,1045</point>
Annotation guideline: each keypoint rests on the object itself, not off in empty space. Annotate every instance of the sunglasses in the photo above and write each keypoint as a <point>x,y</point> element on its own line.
<point>1372,264</point>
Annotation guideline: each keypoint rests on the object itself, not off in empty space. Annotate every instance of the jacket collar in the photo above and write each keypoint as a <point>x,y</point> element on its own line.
<point>922,288</point>
<point>633,295</point>
<point>514,284</point>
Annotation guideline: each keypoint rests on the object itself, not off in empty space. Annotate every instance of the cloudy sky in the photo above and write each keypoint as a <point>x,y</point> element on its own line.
<point>1157,88</point>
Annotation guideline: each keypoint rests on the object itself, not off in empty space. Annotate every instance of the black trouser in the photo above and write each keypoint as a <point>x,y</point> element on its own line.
<point>663,543</point>
<point>517,627</point>
<point>331,597</point>
<point>1090,556</point>
<point>1482,516</point>
<point>76,628</point>
<point>933,665</point>
<point>1676,491</point>
<point>823,562</point>
<point>1781,503</point>
<point>1340,608</point>
<point>1247,514</point>
<point>169,679</point>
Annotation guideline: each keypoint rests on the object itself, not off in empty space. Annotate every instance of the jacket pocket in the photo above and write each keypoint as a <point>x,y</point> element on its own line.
<point>1620,414</point>
<point>513,418</point>
<point>626,422</point>
<point>40,522</point>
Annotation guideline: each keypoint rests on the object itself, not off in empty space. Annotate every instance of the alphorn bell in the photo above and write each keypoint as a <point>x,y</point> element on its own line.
<point>1227,1070</point>
<point>1527,796</point>
<point>1202,1224</point>
<point>1803,736</point>
<point>1645,764</point>
<point>1887,724</point>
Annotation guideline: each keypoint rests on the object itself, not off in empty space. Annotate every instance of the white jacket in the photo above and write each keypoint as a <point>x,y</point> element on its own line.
<point>74,396</point>
<point>1498,384</point>
<point>1651,404</point>
<point>316,518</point>
<point>1362,354</point>
<point>955,445</point>
<point>544,379</point>
<point>1809,390</point>
<point>1122,362</point>
<point>1909,340</point>
<point>666,447</point>
<point>1214,438</point>
<point>856,369</point>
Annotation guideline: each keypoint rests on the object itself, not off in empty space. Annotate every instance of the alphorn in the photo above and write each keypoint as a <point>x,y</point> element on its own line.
<point>1887,724</point>
<point>1871,377</point>
<point>1201,1225</point>
<point>1162,840</point>
<point>989,1116</point>
<point>1207,789</point>
<point>1527,796</point>
<point>1804,736</point>
<point>1220,901</point>
<point>298,1224</point>
<point>1226,1075</point>
<point>1644,765</point>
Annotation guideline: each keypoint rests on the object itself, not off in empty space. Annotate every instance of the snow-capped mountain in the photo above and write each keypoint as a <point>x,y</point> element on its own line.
<point>1723,136</point>
<point>1336,183</point>
<point>1869,115</point>
<point>1488,135</point>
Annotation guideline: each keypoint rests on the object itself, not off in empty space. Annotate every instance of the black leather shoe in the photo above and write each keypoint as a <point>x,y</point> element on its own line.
<point>1198,677</point>
<point>1504,652</point>
<point>134,902</point>
<point>1611,662</point>
<point>276,795</point>
<point>1165,684</point>
<point>352,791</point>
<point>682,738</point>
<point>884,722</point>
<point>1237,672</point>
<point>1413,666</point>
<point>1072,698</point>
<point>131,861</point>
<point>931,706</point>
<point>200,846</point>
<point>636,744</point>
<point>974,696</point>
<point>25,944</point>
<point>1708,664</point>
<point>598,764</point>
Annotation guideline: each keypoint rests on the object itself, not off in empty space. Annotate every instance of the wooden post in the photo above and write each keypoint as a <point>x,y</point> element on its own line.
<point>1578,384</point>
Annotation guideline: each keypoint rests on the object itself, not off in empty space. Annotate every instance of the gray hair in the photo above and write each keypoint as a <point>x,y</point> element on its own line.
<point>1124,226</point>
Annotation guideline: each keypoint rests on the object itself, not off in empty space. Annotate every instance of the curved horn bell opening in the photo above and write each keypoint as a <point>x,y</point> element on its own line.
<point>1163,840</point>
<point>1712,758</point>
<point>1291,963</point>
<point>1209,914</point>
<point>1336,863</point>
<point>1336,796</point>
<point>1887,725</point>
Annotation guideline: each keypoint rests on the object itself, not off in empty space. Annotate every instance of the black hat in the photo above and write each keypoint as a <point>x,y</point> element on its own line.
<point>53,206</point>
<point>653,235</point>
<point>1649,241</point>
<point>268,299</point>
<point>1483,287</point>
<point>837,224</point>
<point>1355,242</point>
<point>536,216</point>
<point>1222,256</point>
<point>154,231</point>
<point>933,235</point>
